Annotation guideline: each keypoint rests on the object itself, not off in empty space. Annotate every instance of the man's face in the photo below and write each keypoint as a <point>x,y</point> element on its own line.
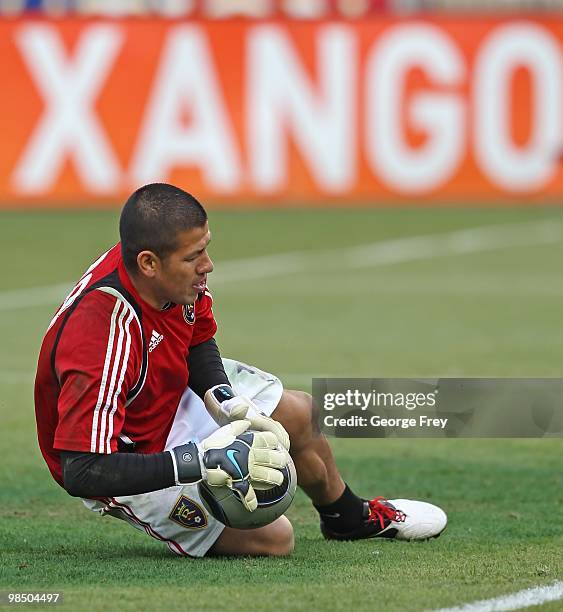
<point>182,274</point>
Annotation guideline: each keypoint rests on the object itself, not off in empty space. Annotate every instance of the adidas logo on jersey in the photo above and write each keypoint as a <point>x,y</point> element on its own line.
<point>156,339</point>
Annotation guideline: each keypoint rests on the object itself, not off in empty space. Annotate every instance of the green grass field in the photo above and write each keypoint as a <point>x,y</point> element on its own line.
<point>304,301</point>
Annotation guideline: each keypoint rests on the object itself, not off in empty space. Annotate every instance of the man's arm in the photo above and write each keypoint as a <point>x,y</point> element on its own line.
<point>209,381</point>
<point>98,475</point>
<point>107,475</point>
<point>205,367</point>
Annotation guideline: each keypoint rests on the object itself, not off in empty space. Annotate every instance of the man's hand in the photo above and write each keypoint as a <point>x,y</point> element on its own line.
<point>225,407</point>
<point>232,457</point>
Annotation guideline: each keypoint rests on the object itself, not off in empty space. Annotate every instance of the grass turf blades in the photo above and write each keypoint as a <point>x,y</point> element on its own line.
<point>493,312</point>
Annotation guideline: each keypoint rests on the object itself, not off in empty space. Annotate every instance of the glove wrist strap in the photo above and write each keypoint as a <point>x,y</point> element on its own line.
<point>221,393</point>
<point>187,465</point>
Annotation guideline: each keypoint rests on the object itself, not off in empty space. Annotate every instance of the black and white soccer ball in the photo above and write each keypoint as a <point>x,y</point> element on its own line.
<point>226,507</point>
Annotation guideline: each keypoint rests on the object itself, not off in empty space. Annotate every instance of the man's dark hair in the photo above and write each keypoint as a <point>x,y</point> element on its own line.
<point>152,218</point>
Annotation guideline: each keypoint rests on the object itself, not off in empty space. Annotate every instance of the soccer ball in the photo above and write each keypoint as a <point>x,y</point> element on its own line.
<point>226,507</point>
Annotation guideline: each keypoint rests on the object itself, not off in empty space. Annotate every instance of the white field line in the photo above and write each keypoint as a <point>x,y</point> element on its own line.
<point>34,296</point>
<point>16,377</point>
<point>489,238</point>
<point>376,254</point>
<point>526,286</point>
<point>516,601</point>
<point>389,252</point>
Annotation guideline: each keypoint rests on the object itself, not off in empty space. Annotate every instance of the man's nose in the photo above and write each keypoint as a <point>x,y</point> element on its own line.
<point>206,266</point>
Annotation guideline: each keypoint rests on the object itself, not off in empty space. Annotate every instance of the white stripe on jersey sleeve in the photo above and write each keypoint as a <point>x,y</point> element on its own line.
<point>115,293</point>
<point>101,393</point>
<point>124,365</point>
<point>119,296</point>
<point>111,384</point>
<point>117,365</point>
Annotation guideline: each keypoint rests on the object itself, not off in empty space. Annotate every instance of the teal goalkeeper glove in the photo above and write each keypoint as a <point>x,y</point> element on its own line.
<point>232,457</point>
<point>225,407</point>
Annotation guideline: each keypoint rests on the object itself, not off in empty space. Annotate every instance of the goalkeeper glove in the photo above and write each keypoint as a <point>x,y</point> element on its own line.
<point>225,407</point>
<point>232,458</point>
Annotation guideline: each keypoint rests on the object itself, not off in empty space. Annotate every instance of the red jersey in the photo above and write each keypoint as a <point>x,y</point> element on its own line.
<point>111,366</point>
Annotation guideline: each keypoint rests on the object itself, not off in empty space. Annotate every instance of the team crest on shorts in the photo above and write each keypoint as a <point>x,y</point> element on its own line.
<point>189,313</point>
<point>188,514</point>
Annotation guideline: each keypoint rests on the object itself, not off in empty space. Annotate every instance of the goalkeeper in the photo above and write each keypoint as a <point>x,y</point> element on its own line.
<point>134,404</point>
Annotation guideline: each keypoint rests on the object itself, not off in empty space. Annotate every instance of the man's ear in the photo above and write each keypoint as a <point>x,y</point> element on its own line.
<point>147,263</point>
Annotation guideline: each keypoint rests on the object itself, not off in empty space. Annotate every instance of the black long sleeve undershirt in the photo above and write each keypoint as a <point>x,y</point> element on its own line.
<point>99,475</point>
<point>206,368</point>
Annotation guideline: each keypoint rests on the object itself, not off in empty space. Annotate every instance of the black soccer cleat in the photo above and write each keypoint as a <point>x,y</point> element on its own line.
<point>401,519</point>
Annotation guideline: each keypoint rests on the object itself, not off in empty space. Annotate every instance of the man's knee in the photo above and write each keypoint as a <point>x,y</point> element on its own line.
<point>273,540</point>
<point>279,540</point>
<point>296,413</point>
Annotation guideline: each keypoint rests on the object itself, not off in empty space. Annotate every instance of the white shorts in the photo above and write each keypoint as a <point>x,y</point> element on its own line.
<point>177,516</point>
